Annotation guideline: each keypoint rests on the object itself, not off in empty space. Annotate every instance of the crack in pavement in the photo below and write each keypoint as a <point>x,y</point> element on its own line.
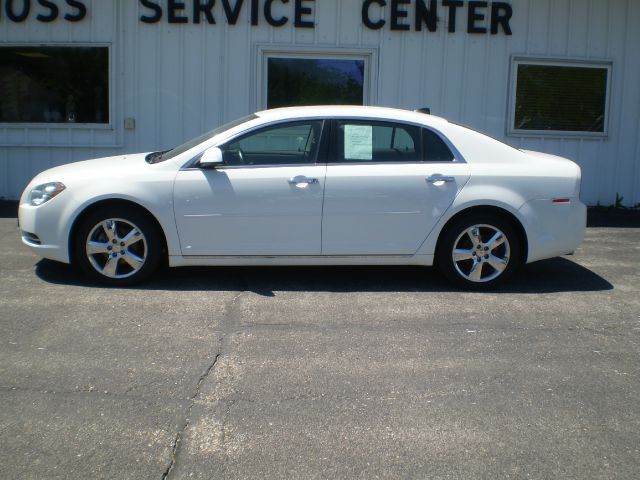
<point>185,424</point>
<point>226,331</point>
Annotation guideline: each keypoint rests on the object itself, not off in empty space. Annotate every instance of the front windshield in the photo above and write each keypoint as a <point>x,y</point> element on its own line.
<point>157,157</point>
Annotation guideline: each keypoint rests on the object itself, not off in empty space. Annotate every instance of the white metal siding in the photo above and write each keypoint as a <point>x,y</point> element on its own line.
<point>179,80</point>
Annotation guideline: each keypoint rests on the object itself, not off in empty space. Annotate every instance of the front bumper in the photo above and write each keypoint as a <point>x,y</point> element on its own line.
<point>40,229</point>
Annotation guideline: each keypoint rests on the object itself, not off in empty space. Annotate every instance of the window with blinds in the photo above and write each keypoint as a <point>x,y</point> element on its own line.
<point>560,98</point>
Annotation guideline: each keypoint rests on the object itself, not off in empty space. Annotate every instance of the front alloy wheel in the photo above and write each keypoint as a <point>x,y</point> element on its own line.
<point>118,246</point>
<point>479,252</point>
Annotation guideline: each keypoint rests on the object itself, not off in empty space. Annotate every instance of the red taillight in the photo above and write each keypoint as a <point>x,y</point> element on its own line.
<point>561,200</point>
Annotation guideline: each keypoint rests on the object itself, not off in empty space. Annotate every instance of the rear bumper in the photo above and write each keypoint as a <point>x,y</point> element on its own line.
<point>553,229</point>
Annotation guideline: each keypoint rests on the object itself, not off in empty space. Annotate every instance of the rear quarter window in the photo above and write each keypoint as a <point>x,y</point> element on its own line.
<point>435,149</point>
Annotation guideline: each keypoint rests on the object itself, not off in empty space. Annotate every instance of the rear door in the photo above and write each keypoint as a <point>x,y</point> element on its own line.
<point>387,184</point>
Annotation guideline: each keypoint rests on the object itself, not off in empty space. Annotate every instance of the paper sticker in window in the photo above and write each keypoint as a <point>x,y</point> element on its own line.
<point>358,142</point>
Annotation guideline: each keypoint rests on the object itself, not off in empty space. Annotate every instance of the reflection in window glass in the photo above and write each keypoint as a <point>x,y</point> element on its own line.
<point>287,144</point>
<point>294,139</point>
<point>560,98</point>
<point>54,84</point>
<point>402,141</point>
<point>306,81</point>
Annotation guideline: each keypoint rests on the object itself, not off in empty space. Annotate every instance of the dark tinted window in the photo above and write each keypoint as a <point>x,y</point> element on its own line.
<point>310,81</point>
<point>54,84</point>
<point>560,98</point>
<point>435,150</point>
<point>291,143</point>
<point>365,141</point>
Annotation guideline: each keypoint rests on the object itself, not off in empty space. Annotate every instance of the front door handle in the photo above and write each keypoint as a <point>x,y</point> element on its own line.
<point>302,180</point>
<point>437,178</point>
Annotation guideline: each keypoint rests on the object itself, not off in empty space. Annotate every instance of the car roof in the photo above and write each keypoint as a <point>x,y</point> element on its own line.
<point>350,111</point>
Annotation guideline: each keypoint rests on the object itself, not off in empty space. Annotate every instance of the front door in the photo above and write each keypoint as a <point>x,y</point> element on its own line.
<point>265,200</point>
<point>387,185</point>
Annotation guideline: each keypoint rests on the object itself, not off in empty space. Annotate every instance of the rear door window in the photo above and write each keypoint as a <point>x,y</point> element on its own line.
<point>377,142</point>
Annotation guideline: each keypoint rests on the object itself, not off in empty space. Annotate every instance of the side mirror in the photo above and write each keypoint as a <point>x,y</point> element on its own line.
<point>211,158</point>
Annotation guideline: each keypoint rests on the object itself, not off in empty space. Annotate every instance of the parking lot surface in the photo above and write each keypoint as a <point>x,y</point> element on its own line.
<point>322,372</point>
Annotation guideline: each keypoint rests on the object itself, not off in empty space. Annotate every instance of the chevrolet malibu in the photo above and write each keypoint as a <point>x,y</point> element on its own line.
<point>312,186</point>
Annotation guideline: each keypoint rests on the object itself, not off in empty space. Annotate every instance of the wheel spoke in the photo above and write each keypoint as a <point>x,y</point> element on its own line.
<point>498,263</point>
<point>474,235</point>
<point>133,260</point>
<point>496,241</point>
<point>476,272</point>
<point>94,248</point>
<point>132,237</point>
<point>460,254</point>
<point>109,227</point>
<point>110,267</point>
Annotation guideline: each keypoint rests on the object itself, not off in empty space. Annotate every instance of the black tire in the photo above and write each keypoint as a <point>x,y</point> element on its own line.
<point>128,270</point>
<point>478,271</point>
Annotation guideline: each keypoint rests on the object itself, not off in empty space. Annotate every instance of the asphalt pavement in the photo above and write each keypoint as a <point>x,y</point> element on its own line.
<point>323,373</point>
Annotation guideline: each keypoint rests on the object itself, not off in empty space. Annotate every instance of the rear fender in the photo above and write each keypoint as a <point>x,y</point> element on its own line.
<point>476,196</point>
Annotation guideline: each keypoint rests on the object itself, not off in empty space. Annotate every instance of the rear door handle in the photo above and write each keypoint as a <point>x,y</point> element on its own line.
<point>437,178</point>
<point>299,180</point>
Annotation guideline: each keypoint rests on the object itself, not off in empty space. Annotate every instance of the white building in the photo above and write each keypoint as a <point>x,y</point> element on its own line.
<point>88,78</point>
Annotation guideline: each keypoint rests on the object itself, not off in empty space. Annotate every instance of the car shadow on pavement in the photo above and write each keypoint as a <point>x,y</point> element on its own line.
<point>547,276</point>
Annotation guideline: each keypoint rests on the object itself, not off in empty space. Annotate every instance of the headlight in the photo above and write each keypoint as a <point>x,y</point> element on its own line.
<point>43,193</point>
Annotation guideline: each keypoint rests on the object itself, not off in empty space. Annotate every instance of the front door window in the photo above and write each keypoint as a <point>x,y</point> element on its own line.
<point>290,144</point>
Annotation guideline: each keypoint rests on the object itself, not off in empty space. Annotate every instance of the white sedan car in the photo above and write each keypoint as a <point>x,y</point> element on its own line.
<point>312,186</point>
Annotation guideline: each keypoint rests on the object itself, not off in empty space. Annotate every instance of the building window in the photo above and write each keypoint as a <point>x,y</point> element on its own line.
<point>292,78</point>
<point>314,81</point>
<point>560,98</point>
<point>54,85</point>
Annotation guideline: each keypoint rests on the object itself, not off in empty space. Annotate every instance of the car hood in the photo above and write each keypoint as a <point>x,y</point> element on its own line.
<point>96,168</point>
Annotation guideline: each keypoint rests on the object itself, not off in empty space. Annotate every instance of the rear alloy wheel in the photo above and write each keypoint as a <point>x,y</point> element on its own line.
<point>118,249</point>
<point>479,253</point>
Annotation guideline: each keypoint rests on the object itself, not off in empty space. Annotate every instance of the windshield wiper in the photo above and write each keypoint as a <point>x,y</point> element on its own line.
<point>155,157</point>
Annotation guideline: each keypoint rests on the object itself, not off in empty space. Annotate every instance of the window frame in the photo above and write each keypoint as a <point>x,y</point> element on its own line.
<point>68,125</point>
<point>265,52</point>
<point>516,61</point>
